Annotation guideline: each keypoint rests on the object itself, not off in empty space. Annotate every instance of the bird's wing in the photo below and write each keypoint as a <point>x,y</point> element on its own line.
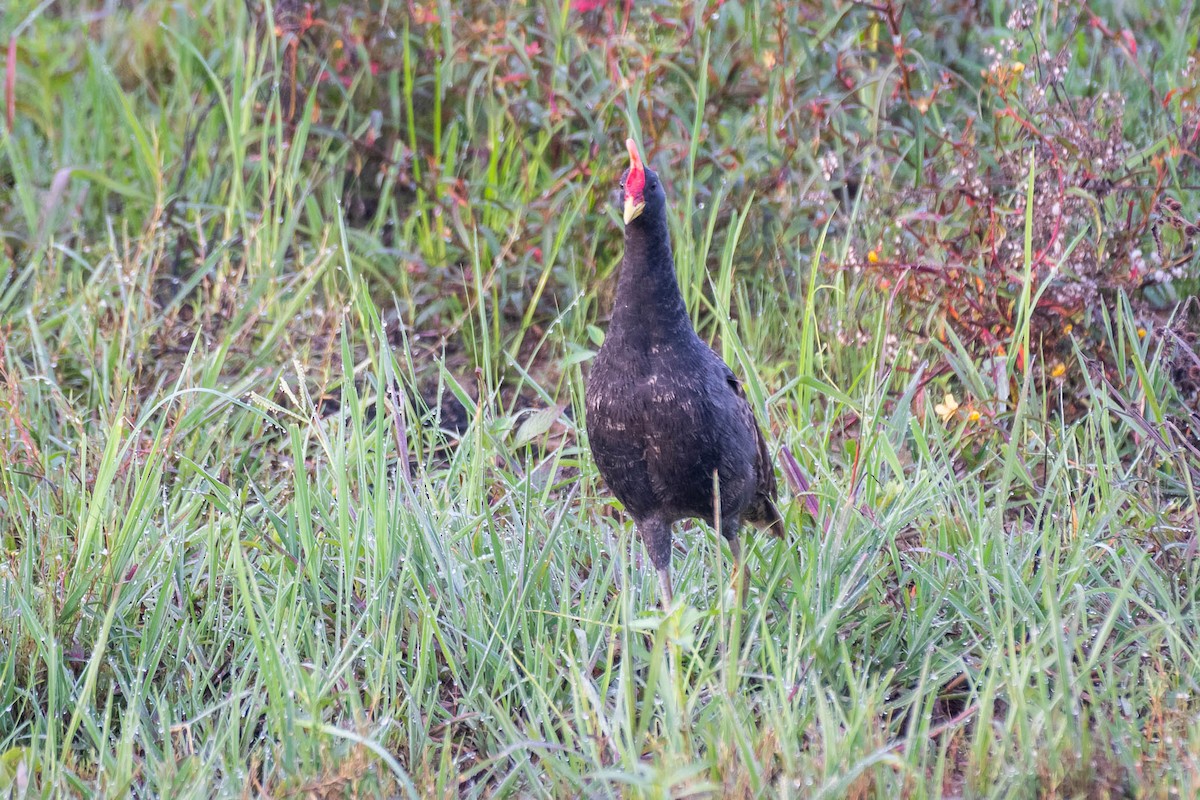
<point>762,464</point>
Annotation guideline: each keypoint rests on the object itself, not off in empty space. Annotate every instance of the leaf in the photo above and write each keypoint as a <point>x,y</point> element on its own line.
<point>15,766</point>
<point>801,486</point>
<point>10,82</point>
<point>577,356</point>
<point>535,424</point>
<point>113,185</point>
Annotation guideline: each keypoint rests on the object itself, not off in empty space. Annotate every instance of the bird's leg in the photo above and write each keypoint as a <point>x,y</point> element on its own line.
<point>656,533</point>
<point>666,596</point>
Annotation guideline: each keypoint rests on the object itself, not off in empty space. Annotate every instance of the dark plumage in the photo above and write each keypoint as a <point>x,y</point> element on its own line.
<point>664,412</point>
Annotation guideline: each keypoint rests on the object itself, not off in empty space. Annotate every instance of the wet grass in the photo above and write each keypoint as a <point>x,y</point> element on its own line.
<point>295,316</point>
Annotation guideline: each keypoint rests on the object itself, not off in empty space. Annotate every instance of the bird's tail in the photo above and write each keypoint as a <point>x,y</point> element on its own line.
<point>766,517</point>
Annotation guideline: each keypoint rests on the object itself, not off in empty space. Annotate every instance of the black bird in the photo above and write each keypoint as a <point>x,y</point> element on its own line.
<point>664,412</point>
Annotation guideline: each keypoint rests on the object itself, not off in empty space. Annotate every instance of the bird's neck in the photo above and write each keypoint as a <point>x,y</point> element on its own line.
<point>648,295</point>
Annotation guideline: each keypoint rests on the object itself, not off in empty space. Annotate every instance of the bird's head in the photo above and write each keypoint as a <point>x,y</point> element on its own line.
<point>640,186</point>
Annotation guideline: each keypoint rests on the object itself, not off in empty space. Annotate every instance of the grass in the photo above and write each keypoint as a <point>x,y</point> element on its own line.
<point>294,322</point>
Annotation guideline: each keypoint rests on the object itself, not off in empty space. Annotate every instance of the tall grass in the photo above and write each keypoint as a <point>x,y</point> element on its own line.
<point>296,496</point>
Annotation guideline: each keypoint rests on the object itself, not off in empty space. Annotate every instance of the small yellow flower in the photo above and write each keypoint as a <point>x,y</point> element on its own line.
<point>1059,370</point>
<point>873,256</point>
<point>974,416</point>
<point>1141,333</point>
<point>1067,329</point>
<point>947,408</point>
<point>1018,67</point>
